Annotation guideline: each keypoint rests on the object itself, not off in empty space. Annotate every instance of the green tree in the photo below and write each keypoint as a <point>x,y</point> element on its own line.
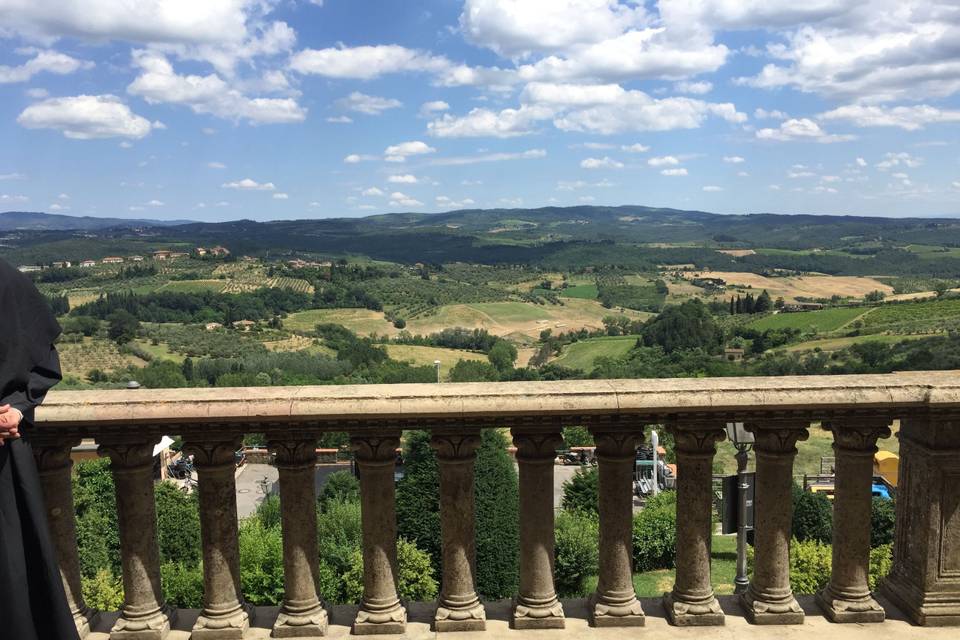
<point>341,486</point>
<point>261,563</point>
<point>418,498</point>
<point>763,303</point>
<point>883,516</point>
<point>473,371</point>
<point>95,503</point>
<point>178,524</point>
<point>498,534</point>
<point>182,585</point>
<point>577,437</point>
<point>812,516</point>
<point>122,326</point>
<point>685,326</point>
<point>162,374</point>
<point>581,492</point>
<point>502,356</point>
<point>576,554</point>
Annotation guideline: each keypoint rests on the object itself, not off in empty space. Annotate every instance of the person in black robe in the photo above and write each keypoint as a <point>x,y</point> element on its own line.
<point>33,605</point>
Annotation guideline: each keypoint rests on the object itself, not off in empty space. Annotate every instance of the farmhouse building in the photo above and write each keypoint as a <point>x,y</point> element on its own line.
<point>88,263</point>
<point>62,264</point>
<point>161,255</point>
<point>29,268</point>
<point>112,260</point>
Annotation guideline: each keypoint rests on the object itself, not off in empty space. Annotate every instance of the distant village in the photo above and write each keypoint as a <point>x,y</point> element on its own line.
<point>159,255</point>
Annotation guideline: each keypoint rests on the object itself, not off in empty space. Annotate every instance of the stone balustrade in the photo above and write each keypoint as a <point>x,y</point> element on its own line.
<point>857,410</point>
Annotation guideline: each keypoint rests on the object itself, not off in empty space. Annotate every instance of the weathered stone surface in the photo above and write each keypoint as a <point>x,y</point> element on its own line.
<point>144,615</point>
<point>614,604</point>
<point>302,614</point>
<point>769,599</point>
<point>847,597</point>
<point>536,605</point>
<point>54,466</point>
<point>925,579</point>
<point>692,602</point>
<point>458,608</point>
<point>380,610</point>
<point>225,616</point>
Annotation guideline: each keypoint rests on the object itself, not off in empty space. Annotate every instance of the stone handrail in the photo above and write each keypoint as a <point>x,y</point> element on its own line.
<point>857,410</point>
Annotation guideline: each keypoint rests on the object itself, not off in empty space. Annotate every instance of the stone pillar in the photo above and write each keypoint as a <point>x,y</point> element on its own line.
<point>925,580</point>
<point>302,614</point>
<point>458,608</point>
<point>692,602</point>
<point>54,465</point>
<point>615,603</point>
<point>380,609</point>
<point>769,599</point>
<point>224,616</point>
<point>536,606</point>
<point>144,615</point>
<point>847,597</point>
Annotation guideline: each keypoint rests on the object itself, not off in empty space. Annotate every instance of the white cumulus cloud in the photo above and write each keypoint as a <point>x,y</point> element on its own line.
<point>248,184</point>
<point>370,105</point>
<point>605,162</point>
<point>86,117</point>
<point>42,61</point>
<point>802,129</point>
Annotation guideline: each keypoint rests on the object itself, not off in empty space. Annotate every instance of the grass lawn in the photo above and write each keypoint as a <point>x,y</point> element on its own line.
<point>426,355</point>
<point>826,320</point>
<point>582,354</point>
<point>362,321</point>
<point>723,568</point>
<point>835,344</point>
<point>159,351</point>
<point>585,291</point>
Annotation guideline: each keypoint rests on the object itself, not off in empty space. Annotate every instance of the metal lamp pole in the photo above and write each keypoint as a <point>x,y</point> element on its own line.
<point>436,363</point>
<point>743,441</point>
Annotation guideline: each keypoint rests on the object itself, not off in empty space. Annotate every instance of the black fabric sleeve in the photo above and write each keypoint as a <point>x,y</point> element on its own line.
<point>43,378</point>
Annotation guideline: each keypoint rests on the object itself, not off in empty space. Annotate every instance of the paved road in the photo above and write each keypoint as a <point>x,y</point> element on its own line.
<point>253,478</point>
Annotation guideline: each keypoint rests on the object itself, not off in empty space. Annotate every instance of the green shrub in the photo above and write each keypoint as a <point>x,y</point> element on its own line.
<point>261,563</point>
<point>340,486</point>
<point>881,562</point>
<point>182,585</point>
<point>416,581</point>
<point>576,553</point>
<point>95,503</point>
<point>268,512</point>
<point>581,492</point>
<point>812,516</point>
<point>810,565</point>
<point>339,536</point>
<point>418,495</point>
<point>103,592</point>
<point>577,437</point>
<point>178,524</point>
<point>883,517</point>
<point>655,533</point>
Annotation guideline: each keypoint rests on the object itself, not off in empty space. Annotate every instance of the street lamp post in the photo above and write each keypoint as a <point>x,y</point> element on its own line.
<point>436,363</point>
<point>743,441</point>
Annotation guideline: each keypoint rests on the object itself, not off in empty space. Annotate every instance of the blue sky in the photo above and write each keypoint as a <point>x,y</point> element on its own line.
<point>266,109</point>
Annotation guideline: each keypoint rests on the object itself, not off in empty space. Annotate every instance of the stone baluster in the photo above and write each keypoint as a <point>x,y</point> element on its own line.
<point>54,465</point>
<point>302,614</point>
<point>537,606</point>
<point>692,602</point>
<point>144,616</point>
<point>225,616</point>
<point>380,609</point>
<point>615,603</point>
<point>847,597</point>
<point>458,608</point>
<point>925,580</point>
<point>769,599</point>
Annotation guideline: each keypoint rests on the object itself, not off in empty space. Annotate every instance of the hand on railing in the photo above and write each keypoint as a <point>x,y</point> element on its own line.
<point>9,423</point>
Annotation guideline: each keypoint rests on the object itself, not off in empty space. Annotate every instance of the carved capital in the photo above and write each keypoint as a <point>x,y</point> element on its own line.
<point>778,439</point>
<point>617,444</point>
<point>54,456</point>
<point>129,455</point>
<point>294,453</point>
<point>536,446</point>
<point>860,436</point>
<point>697,439</point>
<point>213,453</point>
<point>374,449</point>
<point>451,447</point>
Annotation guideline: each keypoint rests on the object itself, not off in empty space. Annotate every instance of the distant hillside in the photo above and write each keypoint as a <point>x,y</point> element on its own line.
<point>37,221</point>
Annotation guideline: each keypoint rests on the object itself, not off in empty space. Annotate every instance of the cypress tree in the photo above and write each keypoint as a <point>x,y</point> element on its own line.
<point>733,306</point>
<point>497,509</point>
<point>739,304</point>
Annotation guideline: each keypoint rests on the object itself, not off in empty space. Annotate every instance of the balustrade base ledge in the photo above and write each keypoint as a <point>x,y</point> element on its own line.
<point>378,628</point>
<point>683,614</point>
<point>288,626</point>
<point>142,634</point>
<point>922,610</point>
<point>846,611</point>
